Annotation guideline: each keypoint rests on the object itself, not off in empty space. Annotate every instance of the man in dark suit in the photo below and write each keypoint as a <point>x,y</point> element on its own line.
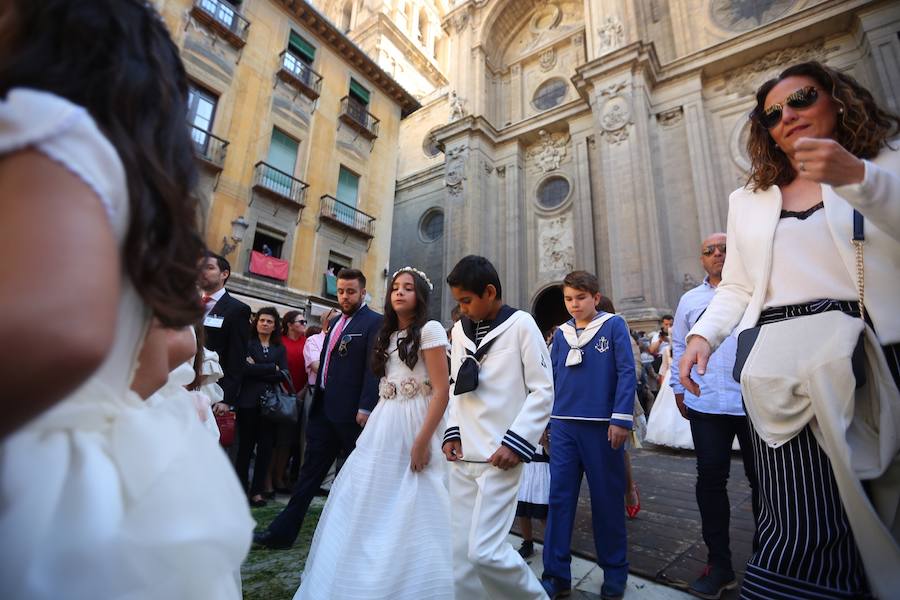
<point>226,325</point>
<point>346,392</point>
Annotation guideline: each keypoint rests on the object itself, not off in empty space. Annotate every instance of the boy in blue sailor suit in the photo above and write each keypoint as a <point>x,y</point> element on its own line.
<point>499,406</point>
<point>594,384</point>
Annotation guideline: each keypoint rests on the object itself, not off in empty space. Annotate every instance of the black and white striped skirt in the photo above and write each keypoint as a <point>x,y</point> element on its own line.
<point>805,547</point>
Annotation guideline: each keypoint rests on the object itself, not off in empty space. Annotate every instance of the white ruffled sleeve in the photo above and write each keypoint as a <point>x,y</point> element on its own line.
<point>432,336</point>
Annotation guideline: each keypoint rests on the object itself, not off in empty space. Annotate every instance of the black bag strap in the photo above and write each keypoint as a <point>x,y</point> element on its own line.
<point>859,235</point>
<point>288,381</point>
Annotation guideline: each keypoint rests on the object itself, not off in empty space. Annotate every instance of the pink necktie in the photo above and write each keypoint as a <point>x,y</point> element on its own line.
<point>332,341</point>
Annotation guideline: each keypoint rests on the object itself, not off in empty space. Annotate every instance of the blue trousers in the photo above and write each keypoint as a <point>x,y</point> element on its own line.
<point>580,448</point>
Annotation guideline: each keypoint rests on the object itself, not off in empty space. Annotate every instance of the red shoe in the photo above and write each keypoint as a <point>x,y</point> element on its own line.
<point>632,510</point>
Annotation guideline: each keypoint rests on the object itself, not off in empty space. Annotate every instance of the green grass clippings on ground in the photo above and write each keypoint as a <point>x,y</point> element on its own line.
<point>275,574</point>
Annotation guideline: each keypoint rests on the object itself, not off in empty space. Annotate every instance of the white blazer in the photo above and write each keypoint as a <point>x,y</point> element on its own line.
<point>752,219</point>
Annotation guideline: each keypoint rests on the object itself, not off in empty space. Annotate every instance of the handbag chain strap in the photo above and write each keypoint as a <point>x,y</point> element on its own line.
<point>858,241</point>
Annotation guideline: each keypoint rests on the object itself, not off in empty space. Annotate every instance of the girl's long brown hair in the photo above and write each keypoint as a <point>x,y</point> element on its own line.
<point>863,128</point>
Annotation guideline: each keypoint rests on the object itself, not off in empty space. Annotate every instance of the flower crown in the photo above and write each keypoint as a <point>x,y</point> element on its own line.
<point>417,272</point>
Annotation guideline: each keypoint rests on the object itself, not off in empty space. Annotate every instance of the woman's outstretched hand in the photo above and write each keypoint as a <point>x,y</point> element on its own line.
<point>696,353</point>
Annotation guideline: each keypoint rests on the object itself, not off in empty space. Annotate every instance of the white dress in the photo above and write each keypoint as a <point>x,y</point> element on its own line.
<point>385,530</point>
<point>105,495</point>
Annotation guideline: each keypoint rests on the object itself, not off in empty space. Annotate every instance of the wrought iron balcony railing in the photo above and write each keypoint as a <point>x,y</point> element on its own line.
<point>300,75</point>
<point>269,180</point>
<point>346,217</point>
<point>224,19</point>
<point>354,114</point>
<point>210,149</point>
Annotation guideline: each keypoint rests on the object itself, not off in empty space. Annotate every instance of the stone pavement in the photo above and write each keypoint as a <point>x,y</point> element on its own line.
<point>587,578</point>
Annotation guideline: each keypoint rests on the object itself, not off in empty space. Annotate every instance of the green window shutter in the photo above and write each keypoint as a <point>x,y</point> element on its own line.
<point>330,284</point>
<point>359,92</point>
<point>348,187</point>
<point>302,48</point>
<point>282,152</point>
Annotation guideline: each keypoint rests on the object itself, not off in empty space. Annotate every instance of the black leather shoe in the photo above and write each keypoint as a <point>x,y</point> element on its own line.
<point>526,550</point>
<point>713,582</point>
<point>556,588</point>
<point>265,538</point>
<point>258,503</point>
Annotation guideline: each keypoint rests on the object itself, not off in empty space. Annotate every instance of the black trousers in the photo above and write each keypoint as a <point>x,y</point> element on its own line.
<point>325,442</point>
<point>713,435</point>
<point>253,431</point>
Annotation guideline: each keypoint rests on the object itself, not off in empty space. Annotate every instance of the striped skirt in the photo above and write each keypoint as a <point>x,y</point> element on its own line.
<point>804,545</point>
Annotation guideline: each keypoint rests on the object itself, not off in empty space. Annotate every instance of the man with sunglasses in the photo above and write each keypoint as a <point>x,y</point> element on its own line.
<point>716,416</point>
<point>346,393</point>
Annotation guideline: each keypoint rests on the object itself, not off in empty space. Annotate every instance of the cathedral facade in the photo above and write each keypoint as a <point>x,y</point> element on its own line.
<point>594,134</point>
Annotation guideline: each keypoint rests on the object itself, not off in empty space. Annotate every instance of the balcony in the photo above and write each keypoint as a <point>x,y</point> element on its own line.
<point>300,75</point>
<point>210,149</point>
<point>354,114</point>
<point>344,216</point>
<point>224,19</point>
<point>278,184</point>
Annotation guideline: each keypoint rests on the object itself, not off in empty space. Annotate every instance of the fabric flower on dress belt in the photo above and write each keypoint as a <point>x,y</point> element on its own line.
<point>409,388</point>
<point>387,390</point>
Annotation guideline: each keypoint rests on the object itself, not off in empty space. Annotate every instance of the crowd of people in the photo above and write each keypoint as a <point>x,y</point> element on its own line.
<point>112,477</point>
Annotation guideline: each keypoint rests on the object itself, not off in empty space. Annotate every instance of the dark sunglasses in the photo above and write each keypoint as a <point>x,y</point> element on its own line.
<point>342,347</point>
<point>711,249</point>
<point>802,98</point>
<point>300,321</point>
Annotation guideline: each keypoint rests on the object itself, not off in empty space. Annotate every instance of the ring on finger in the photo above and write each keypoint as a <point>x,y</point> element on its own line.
<point>802,166</point>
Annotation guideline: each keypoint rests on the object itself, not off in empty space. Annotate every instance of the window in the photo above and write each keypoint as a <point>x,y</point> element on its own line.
<point>549,94</point>
<point>348,186</point>
<point>358,105</point>
<point>201,110</point>
<point>431,226</point>
<point>336,262</point>
<point>282,159</point>
<point>299,58</point>
<point>268,242</point>
<point>430,145</point>
<point>553,191</point>
<point>423,26</point>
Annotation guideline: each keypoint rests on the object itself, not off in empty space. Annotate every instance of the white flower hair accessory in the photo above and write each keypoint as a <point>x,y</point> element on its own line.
<point>417,272</point>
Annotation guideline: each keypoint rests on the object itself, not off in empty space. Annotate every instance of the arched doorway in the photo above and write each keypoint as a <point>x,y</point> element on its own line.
<point>549,308</point>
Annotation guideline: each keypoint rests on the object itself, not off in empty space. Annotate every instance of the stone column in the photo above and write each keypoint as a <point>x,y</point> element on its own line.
<point>880,27</point>
<point>707,194</point>
<point>583,209</point>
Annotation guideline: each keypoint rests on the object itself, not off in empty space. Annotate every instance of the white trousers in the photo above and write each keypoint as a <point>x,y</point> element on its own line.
<point>482,509</point>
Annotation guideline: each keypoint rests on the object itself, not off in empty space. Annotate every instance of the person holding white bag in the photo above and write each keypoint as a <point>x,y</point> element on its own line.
<point>825,170</point>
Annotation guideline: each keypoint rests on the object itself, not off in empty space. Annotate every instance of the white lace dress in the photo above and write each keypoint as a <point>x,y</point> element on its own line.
<point>105,495</point>
<point>385,530</point>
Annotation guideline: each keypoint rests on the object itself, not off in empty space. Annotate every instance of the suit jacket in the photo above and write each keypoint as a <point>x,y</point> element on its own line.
<point>351,384</point>
<point>261,373</point>
<point>230,342</point>
<point>752,219</point>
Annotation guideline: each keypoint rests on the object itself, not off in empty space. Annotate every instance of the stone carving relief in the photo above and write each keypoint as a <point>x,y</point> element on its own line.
<point>457,107</point>
<point>556,245</point>
<point>501,171</point>
<point>615,115</point>
<point>550,151</point>
<point>455,170</point>
<point>746,79</point>
<point>612,34</point>
<point>460,21</point>
<point>670,118</point>
<point>548,59</point>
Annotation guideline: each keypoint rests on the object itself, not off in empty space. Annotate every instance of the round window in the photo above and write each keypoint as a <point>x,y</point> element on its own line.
<point>430,146</point>
<point>549,94</point>
<point>553,191</point>
<point>431,227</point>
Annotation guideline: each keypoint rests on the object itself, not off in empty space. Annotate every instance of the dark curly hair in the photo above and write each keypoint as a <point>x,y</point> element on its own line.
<point>863,128</point>
<point>275,337</point>
<point>407,346</point>
<point>115,58</point>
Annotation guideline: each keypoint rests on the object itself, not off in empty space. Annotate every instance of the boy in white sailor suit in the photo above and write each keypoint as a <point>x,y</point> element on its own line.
<point>499,406</point>
<point>594,385</point>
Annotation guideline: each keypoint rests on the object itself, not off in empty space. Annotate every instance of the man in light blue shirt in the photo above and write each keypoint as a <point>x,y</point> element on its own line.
<point>716,417</point>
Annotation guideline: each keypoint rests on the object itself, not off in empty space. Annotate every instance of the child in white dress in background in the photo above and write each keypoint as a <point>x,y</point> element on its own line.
<point>385,530</point>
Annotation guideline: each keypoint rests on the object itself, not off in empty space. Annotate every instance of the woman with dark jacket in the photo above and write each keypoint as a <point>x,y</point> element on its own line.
<point>266,357</point>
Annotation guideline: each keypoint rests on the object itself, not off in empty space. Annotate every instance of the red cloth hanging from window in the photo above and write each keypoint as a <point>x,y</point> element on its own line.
<point>268,266</point>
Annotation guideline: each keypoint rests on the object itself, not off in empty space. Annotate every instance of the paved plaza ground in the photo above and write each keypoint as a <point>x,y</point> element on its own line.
<point>665,547</point>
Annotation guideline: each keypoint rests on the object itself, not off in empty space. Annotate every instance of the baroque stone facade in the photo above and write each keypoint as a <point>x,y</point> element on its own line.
<point>605,134</point>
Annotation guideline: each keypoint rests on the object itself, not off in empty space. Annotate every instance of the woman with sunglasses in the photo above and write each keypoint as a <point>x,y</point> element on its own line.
<point>820,147</point>
<point>266,358</point>
<point>385,530</point>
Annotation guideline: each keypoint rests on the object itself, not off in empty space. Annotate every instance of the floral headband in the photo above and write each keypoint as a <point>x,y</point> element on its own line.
<point>417,272</point>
